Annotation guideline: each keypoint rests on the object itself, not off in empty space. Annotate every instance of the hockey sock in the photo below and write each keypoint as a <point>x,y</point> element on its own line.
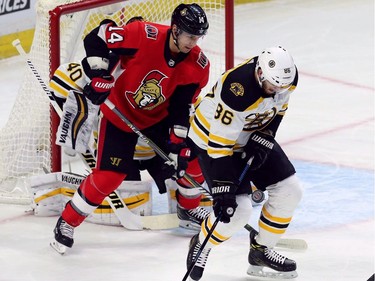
<point>188,202</point>
<point>90,195</point>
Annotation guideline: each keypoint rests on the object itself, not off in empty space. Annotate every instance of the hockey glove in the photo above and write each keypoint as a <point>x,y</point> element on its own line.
<point>224,196</point>
<point>100,87</point>
<point>179,152</point>
<point>259,146</point>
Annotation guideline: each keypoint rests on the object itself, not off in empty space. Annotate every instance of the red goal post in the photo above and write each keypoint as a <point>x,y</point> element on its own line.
<point>27,142</point>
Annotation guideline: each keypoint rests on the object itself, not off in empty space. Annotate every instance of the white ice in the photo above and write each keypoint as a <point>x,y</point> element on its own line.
<point>328,133</point>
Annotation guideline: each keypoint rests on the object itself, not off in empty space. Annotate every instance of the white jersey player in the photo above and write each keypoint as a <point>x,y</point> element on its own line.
<point>234,126</point>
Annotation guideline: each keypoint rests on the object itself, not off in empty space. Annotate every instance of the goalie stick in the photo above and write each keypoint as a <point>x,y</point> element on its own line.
<point>288,243</point>
<point>127,218</point>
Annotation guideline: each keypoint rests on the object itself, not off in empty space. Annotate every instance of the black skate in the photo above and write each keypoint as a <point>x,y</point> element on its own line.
<point>266,262</point>
<point>193,218</point>
<point>63,236</point>
<point>194,247</point>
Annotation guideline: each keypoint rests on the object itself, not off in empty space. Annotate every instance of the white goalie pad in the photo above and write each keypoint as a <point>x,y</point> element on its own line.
<point>50,193</point>
<point>77,121</point>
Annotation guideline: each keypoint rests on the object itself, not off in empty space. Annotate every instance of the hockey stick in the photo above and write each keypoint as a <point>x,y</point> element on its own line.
<point>132,221</point>
<point>209,234</point>
<point>256,195</point>
<point>288,243</point>
<point>154,146</point>
<point>17,44</point>
<point>127,218</point>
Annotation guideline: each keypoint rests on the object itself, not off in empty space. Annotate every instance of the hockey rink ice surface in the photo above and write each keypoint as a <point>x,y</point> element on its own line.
<point>328,133</point>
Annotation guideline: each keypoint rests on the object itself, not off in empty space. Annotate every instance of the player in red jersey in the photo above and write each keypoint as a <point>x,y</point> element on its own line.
<point>158,77</point>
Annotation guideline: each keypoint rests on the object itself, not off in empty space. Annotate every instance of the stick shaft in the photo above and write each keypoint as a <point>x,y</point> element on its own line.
<point>209,234</point>
<point>154,146</point>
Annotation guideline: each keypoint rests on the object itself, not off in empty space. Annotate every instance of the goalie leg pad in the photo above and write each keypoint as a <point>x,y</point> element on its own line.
<point>47,201</point>
<point>77,121</point>
<point>50,192</point>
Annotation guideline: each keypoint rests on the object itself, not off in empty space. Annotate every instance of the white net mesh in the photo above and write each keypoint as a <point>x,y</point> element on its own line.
<point>25,140</point>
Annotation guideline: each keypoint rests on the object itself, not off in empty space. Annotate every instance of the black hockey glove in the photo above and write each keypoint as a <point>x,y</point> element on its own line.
<point>100,86</point>
<point>179,153</point>
<point>259,146</point>
<point>224,195</point>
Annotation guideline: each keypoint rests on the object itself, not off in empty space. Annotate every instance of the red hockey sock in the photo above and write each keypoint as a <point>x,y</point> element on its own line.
<point>187,202</point>
<point>71,216</point>
<point>91,194</point>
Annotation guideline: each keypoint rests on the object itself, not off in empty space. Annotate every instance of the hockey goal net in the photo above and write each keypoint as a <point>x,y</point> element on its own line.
<point>27,140</point>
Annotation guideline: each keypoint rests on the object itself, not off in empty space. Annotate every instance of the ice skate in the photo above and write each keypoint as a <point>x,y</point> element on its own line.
<point>63,236</point>
<point>194,247</point>
<point>193,218</point>
<point>266,262</point>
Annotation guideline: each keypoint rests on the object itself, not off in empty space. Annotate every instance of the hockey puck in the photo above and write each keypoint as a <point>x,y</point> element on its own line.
<point>257,196</point>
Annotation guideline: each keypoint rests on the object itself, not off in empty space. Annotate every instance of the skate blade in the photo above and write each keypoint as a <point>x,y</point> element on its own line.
<point>190,225</point>
<point>265,272</point>
<point>58,247</point>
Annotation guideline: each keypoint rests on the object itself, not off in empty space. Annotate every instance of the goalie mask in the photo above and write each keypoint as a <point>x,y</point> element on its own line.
<point>190,18</point>
<point>277,67</point>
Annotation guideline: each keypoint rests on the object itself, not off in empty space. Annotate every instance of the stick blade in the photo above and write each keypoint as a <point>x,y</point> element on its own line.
<point>159,222</point>
<point>290,243</point>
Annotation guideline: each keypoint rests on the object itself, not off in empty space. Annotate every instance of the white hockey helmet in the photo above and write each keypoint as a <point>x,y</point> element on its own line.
<point>277,67</point>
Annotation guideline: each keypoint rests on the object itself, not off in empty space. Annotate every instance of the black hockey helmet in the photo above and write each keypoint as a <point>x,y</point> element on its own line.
<point>190,18</point>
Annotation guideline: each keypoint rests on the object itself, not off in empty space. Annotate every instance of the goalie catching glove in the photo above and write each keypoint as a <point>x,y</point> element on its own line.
<point>179,153</point>
<point>224,196</point>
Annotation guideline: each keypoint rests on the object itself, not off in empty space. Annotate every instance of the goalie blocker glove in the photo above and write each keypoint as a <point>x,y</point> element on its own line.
<point>259,146</point>
<point>224,197</point>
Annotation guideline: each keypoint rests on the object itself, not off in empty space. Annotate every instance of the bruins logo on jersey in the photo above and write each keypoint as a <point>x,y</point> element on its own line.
<point>149,93</point>
<point>257,121</point>
<point>237,89</point>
